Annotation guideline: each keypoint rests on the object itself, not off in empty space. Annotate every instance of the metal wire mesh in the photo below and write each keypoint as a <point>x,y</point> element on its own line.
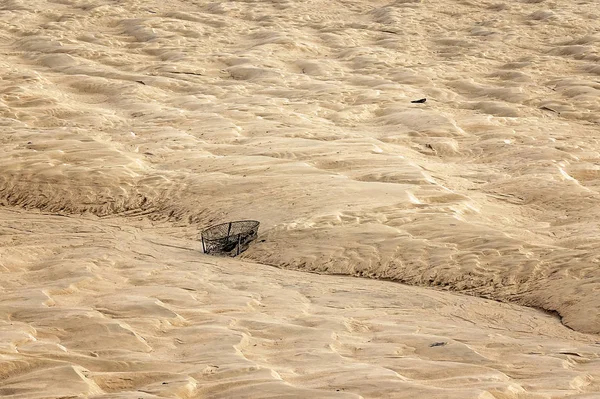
<point>230,238</point>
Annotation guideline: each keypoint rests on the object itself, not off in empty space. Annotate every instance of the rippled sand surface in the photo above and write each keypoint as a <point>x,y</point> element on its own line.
<point>127,126</point>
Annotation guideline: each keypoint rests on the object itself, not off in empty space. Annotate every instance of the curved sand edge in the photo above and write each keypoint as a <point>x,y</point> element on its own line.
<point>114,311</point>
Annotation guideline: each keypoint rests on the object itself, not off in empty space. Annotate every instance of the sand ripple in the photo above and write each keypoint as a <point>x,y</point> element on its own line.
<point>124,312</point>
<point>299,114</point>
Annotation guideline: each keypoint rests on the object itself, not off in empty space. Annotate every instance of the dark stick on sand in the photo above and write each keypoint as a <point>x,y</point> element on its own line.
<point>549,109</point>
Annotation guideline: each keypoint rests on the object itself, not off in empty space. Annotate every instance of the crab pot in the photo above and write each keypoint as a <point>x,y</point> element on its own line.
<point>230,238</point>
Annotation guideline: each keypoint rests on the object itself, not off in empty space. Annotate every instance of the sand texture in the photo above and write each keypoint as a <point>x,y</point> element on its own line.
<point>126,126</point>
<point>115,311</point>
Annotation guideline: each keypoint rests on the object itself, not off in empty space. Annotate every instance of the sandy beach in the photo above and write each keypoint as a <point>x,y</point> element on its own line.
<point>440,249</point>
